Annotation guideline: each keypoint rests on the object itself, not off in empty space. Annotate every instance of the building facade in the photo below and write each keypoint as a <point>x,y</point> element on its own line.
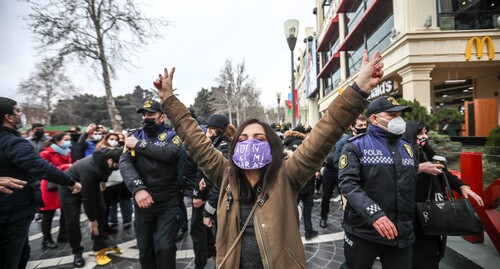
<point>442,53</point>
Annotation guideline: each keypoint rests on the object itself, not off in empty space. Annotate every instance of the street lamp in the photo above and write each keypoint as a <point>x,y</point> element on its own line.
<point>291,33</point>
<point>278,98</point>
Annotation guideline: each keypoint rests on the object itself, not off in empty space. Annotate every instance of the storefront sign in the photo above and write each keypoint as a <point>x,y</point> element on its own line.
<point>480,44</point>
<point>384,88</point>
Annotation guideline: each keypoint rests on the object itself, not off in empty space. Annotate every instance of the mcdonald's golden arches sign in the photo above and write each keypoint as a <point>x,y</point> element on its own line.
<point>479,44</point>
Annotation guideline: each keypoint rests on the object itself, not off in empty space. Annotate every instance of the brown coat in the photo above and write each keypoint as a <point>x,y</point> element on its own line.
<point>276,221</point>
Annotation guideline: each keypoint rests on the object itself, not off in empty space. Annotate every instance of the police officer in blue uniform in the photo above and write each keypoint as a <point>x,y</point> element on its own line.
<point>149,167</point>
<point>377,174</point>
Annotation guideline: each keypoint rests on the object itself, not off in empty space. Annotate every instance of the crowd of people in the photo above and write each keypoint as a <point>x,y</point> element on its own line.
<point>245,183</point>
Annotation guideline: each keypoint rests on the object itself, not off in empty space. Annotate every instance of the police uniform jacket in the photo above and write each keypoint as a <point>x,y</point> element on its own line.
<point>152,165</point>
<point>276,219</point>
<point>378,176</point>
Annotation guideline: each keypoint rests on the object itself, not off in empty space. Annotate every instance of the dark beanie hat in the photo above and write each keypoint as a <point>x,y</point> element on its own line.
<point>218,121</point>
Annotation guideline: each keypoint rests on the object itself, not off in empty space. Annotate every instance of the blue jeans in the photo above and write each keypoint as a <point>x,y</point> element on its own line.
<point>14,245</point>
<point>156,230</point>
<point>126,208</point>
<point>308,202</point>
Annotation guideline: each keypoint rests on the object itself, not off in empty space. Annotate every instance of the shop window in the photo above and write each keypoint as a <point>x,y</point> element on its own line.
<point>468,14</point>
<point>453,95</point>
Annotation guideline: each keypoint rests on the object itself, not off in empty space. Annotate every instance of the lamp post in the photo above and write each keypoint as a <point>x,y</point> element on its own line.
<point>291,33</point>
<point>278,98</point>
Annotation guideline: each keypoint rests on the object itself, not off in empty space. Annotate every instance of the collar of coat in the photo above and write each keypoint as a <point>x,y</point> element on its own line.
<point>296,134</point>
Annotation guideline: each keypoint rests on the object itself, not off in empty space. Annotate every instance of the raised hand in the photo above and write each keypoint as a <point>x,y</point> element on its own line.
<point>164,84</point>
<point>370,72</point>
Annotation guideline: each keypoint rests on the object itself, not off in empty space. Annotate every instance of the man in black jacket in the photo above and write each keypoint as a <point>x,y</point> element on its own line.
<point>377,174</point>
<point>149,169</point>
<point>17,209</point>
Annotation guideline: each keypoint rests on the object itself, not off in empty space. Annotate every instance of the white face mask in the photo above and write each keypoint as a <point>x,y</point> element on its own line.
<point>395,126</point>
<point>97,137</point>
<point>113,143</point>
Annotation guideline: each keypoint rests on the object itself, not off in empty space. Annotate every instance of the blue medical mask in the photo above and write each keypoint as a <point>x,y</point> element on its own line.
<point>66,144</point>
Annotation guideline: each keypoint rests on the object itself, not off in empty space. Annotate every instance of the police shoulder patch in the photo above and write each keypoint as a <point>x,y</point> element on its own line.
<point>343,161</point>
<point>162,136</point>
<point>177,140</point>
<point>408,150</point>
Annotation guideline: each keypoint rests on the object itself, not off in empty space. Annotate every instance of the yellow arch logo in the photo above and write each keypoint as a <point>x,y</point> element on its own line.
<point>479,44</point>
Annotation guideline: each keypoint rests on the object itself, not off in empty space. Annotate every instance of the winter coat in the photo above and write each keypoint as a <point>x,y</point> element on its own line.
<point>39,144</point>
<point>154,165</point>
<point>19,160</point>
<point>378,176</point>
<point>51,198</point>
<point>293,139</point>
<point>276,221</point>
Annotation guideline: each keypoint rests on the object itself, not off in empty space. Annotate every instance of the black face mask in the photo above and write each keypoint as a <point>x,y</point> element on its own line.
<point>74,137</point>
<point>361,130</point>
<point>148,124</point>
<point>39,134</point>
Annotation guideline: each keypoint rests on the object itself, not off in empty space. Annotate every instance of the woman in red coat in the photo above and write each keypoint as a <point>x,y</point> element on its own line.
<point>58,153</point>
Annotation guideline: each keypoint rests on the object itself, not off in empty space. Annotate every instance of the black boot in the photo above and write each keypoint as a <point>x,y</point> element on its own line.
<point>78,260</point>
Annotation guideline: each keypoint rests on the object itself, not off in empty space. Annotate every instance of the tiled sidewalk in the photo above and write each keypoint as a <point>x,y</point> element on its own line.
<point>324,251</point>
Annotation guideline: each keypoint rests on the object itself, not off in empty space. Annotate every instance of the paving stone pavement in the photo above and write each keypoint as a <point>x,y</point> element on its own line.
<point>324,251</point>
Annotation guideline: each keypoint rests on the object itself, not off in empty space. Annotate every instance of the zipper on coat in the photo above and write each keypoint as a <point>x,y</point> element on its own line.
<point>260,239</point>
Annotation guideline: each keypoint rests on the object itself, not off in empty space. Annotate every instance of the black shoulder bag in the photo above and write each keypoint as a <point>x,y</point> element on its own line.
<point>451,217</point>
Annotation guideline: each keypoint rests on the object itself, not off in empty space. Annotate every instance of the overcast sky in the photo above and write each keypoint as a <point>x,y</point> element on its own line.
<point>200,37</point>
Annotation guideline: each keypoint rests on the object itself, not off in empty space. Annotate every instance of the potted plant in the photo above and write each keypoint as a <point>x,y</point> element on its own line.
<point>450,120</point>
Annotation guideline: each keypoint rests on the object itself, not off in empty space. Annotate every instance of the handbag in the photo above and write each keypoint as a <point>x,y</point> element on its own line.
<point>449,217</point>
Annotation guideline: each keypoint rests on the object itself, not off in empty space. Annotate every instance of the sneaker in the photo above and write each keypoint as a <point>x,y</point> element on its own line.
<point>337,199</point>
<point>38,217</point>
<point>48,243</point>
<point>323,223</point>
<point>309,235</point>
<point>78,260</point>
<point>112,225</point>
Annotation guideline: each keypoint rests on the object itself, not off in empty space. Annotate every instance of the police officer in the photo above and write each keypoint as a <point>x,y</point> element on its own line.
<point>149,169</point>
<point>377,174</point>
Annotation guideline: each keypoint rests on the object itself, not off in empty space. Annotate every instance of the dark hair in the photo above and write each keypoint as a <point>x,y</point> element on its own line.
<point>56,138</point>
<point>360,117</point>
<point>36,125</point>
<point>6,107</point>
<point>413,128</point>
<point>269,173</point>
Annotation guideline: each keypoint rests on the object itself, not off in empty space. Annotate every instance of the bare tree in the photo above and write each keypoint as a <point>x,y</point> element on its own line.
<point>236,91</point>
<point>101,32</point>
<point>46,86</point>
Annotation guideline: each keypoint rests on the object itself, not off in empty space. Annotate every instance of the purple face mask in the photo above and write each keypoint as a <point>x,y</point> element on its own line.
<point>252,154</point>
